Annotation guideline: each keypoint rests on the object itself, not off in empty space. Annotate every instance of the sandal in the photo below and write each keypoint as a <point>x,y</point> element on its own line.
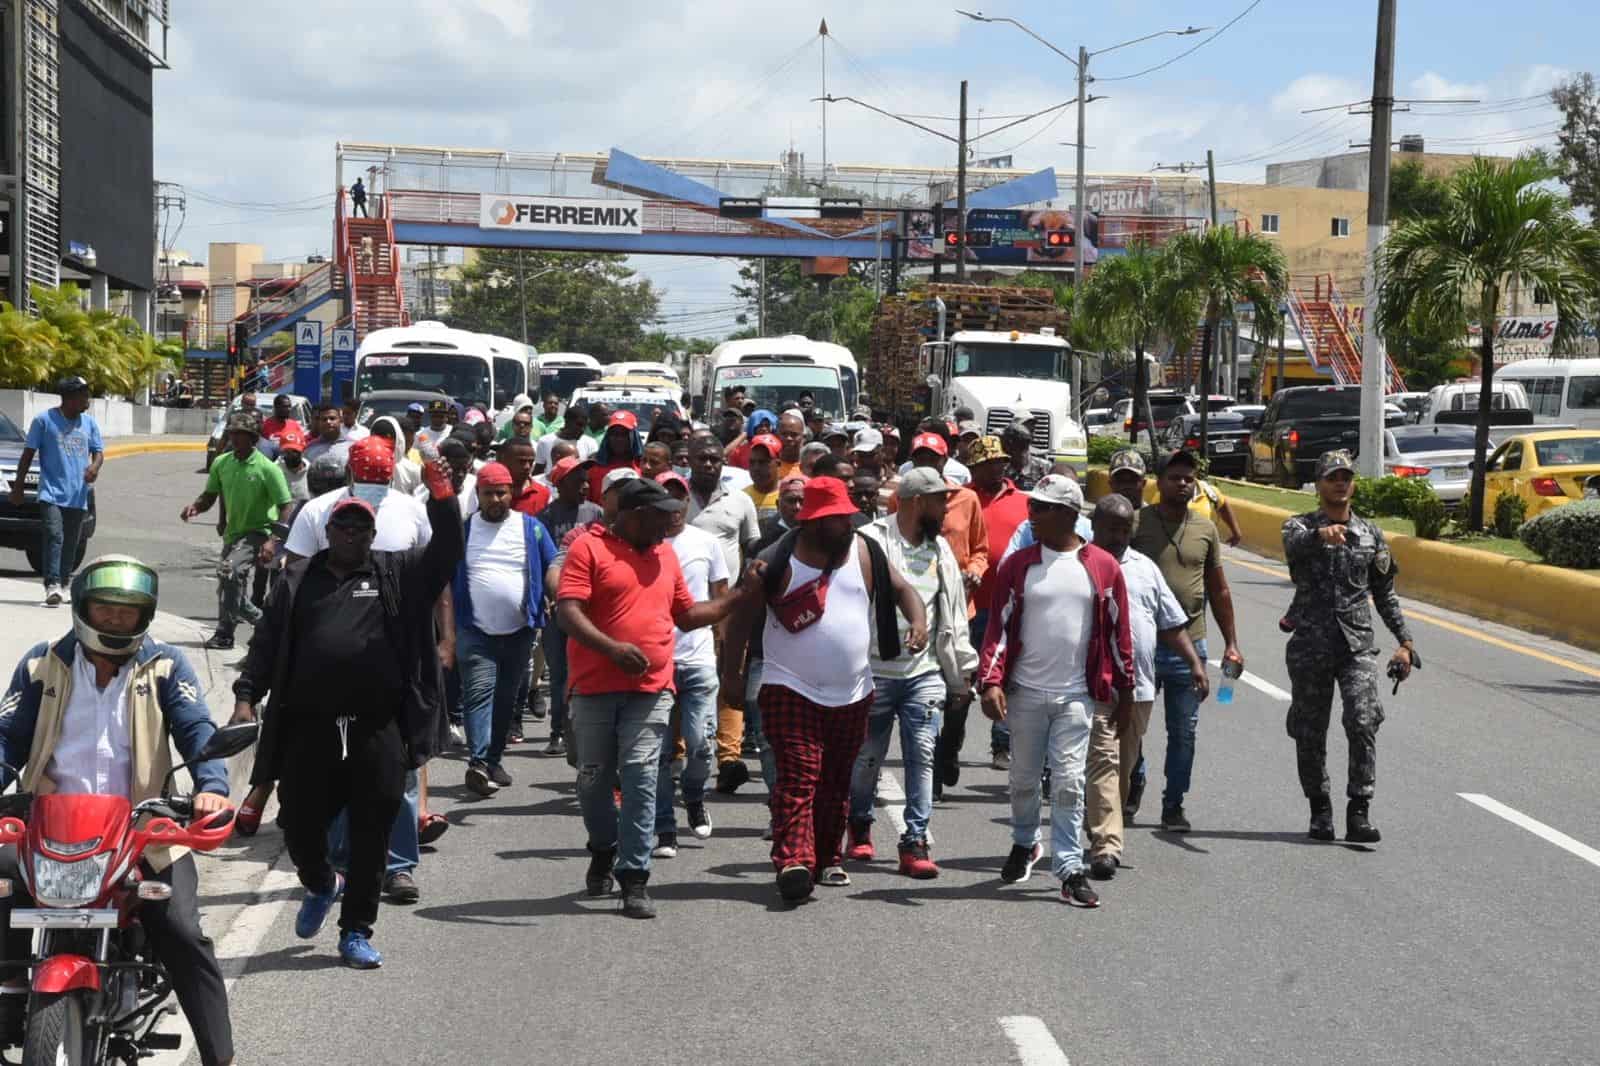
<point>247,820</point>
<point>431,827</point>
<point>834,877</point>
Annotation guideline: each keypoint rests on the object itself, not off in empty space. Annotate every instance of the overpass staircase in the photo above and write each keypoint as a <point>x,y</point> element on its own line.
<point>1322,319</point>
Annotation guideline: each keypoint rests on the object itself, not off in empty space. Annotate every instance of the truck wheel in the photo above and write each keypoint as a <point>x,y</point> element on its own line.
<point>57,1030</point>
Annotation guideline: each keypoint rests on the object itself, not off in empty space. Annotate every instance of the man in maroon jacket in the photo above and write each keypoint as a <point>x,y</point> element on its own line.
<point>1057,644</point>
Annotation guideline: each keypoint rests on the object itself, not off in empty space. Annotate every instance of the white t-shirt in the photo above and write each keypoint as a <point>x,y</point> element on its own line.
<point>586,445</point>
<point>1057,621</point>
<point>407,477</point>
<point>427,433</point>
<point>1151,607</point>
<point>466,495</point>
<point>701,560</point>
<point>402,523</point>
<point>354,433</point>
<point>827,661</point>
<point>497,574</point>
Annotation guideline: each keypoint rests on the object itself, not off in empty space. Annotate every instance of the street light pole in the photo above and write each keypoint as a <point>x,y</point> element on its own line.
<point>1079,196</point>
<point>1374,364</point>
<point>961,191</point>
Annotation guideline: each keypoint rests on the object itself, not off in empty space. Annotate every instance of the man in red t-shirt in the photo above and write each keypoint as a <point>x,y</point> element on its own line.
<point>282,419</point>
<point>621,594</point>
<point>527,495</point>
<point>619,447</point>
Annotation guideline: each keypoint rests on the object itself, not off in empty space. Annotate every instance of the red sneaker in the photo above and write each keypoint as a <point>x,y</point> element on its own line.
<point>915,863</point>
<point>860,849</point>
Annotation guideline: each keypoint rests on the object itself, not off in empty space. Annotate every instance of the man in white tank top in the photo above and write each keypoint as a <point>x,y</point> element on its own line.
<point>817,683</point>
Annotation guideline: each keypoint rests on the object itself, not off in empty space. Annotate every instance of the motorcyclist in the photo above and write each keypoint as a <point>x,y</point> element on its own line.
<point>91,713</point>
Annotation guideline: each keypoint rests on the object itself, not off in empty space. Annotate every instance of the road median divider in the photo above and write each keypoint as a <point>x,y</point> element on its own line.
<point>1536,597</point>
<point>123,450</point>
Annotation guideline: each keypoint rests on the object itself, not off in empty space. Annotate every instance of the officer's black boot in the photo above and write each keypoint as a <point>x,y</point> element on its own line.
<point>1321,818</point>
<point>1357,830</point>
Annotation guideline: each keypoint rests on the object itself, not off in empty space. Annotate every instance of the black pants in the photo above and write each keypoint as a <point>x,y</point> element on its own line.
<point>318,778</point>
<point>358,207</point>
<point>172,928</point>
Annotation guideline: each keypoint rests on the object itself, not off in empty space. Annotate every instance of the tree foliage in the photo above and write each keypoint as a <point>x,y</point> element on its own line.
<point>1577,160</point>
<point>1414,194</point>
<point>821,308</point>
<point>1501,225</point>
<point>106,349</point>
<point>575,301</point>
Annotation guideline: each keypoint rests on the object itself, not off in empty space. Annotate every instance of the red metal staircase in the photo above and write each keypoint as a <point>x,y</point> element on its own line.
<point>370,262</point>
<point>1322,319</point>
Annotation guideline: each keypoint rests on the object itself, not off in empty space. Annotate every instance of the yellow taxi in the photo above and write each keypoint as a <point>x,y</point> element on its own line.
<point>1547,469</point>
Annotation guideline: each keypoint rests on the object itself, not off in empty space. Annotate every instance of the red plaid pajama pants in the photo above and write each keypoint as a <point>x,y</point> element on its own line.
<point>815,748</point>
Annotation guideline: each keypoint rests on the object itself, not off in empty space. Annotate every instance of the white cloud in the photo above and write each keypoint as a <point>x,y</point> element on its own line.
<point>1433,86</point>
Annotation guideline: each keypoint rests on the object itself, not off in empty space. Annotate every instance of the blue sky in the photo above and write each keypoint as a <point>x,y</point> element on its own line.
<point>249,114</point>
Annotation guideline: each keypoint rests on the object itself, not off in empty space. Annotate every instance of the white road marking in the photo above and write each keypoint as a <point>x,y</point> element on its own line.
<point>1534,826</point>
<point>1260,684</point>
<point>1035,1046</point>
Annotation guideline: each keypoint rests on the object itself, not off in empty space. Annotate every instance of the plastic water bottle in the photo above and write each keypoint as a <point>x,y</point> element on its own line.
<point>1230,672</point>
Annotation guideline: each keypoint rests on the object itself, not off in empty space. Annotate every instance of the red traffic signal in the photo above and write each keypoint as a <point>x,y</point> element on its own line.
<point>976,238</point>
<point>952,239</point>
<point>1058,238</point>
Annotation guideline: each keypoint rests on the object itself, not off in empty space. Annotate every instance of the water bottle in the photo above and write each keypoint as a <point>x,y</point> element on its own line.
<point>1230,672</point>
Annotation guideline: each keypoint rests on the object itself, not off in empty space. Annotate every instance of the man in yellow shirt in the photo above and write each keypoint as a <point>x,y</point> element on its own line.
<point>763,487</point>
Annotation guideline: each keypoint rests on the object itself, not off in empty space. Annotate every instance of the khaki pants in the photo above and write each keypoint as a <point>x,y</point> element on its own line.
<point>1111,762</point>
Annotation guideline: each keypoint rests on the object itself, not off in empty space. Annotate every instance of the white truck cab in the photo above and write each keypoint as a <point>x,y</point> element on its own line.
<point>1004,375</point>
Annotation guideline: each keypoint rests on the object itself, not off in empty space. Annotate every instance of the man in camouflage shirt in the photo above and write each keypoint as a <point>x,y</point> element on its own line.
<point>1024,468</point>
<point>1338,559</point>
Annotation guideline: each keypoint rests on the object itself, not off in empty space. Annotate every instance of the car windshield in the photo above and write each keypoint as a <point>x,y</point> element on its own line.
<point>565,380</point>
<point>1445,440</point>
<point>1321,403</point>
<point>646,407</point>
<point>463,377</point>
<point>777,388</point>
<point>1568,451</point>
<point>1008,361</point>
<point>510,380</point>
<point>9,433</point>
<point>1166,406</point>
<point>393,406</point>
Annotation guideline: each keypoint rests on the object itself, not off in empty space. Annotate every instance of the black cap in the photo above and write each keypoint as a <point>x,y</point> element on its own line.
<point>67,386</point>
<point>636,492</point>
<point>439,406</point>
<point>1165,459</point>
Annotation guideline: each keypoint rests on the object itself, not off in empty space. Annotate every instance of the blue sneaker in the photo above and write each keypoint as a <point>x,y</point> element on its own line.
<point>314,908</point>
<point>357,951</point>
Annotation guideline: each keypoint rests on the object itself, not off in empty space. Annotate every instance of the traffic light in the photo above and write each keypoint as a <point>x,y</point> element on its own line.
<point>1058,238</point>
<point>240,342</point>
<point>976,238</point>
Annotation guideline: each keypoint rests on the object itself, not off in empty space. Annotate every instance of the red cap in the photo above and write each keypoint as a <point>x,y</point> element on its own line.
<point>825,497</point>
<point>931,441</point>
<point>292,438</point>
<point>372,461</point>
<point>766,440</point>
<point>352,503</point>
<point>494,474</point>
<point>672,477</point>
<point>623,418</point>
<point>559,472</point>
<point>954,429</point>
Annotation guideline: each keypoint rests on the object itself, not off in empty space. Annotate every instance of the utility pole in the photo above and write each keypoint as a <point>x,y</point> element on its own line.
<point>961,190</point>
<point>823,32</point>
<point>1209,372</point>
<point>1211,182</point>
<point>761,299</point>
<point>522,295</point>
<point>1374,363</point>
<point>1079,195</point>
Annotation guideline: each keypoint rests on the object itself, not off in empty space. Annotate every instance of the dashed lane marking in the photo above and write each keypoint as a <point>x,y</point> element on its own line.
<point>1534,826</point>
<point>893,799</point>
<point>1259,683</point>
<point>1031,1037</point>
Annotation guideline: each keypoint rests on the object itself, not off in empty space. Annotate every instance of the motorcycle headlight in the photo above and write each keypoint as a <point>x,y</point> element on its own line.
<point>68,884</point>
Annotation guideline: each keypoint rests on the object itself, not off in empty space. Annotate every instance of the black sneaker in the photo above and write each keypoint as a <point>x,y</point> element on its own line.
<point>794,884</point>
<point>1103,867</point>
<point>556,746</point>
<point>1019,864</point>
<point>220,641</point>
<point>1076,891</point>
<point>598,880</point>
<point>401,887</point>
<point>1321,819</point>
<point>498,775</point>
<point>1357,829</point>
<point>699,820</point>
<point>537,710</point>
<point>478,781</point>
<point>636,902</point>
<point>666,846</point>
<point>514,734</point>
<point>1173,821</point>
<point>1135,794</point>
<point>730,775</point>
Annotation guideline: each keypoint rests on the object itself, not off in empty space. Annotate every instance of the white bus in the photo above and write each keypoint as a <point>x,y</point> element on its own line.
<point>472,368</point>
<point>774,371</point>
<point>643,370</point>
<point>563,373</point>
<point>1561,391</point>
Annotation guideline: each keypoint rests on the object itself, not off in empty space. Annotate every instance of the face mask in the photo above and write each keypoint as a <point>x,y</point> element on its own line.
<point>373,494</point>
<point>682,471</point>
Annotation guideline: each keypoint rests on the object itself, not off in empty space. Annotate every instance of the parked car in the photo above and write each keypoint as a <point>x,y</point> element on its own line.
<point>1440,454</point>
<point>1547,469</point>
<point>1301,423</point>
<point>1101,420</point>
<point>1458,401</point>
<point>1250,412</point>
<point>218,443</point>
<point>1227,450</point>
<point>21,528</point>
<point>1165,405</point>
<point>646,397</point>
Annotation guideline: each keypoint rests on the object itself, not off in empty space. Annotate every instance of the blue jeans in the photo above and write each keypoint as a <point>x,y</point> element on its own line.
<point>917,703</point>
<point>555,660</point>
<point>618,736</point>
<point>60,528</point>
<point>491,669</point>
<point>697,718</point>
<point>1044,726</point>
<point>752,724</point>
<point>999,732</point>
<point>405,851</point>
<point>1175,682</point>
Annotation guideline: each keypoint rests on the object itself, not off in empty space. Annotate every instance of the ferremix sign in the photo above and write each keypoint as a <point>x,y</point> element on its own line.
<point>563,214</point>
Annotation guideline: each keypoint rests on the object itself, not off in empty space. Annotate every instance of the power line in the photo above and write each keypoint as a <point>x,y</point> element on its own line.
<point>1188,51</point>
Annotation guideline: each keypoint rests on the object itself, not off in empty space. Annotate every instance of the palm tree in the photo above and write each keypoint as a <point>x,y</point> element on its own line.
<point>1131,301</point>
<point>1224,268</point>
<point>1501,225</point>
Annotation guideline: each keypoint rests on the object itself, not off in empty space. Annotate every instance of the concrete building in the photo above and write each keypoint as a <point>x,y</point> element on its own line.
<point>1349,170</point>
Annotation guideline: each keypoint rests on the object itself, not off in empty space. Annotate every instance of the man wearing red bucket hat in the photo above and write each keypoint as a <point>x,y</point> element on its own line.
<point>818,615</point>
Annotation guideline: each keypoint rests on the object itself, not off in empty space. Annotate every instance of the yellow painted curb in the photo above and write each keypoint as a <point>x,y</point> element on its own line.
<point>119,451</point>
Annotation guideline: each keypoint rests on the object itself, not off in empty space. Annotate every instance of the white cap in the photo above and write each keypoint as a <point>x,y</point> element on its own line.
<point>1058,489</point>
<point>867,440</point>
<point>615,477</point>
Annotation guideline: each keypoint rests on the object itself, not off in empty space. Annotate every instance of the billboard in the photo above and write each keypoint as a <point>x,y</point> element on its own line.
<point>565,214</point>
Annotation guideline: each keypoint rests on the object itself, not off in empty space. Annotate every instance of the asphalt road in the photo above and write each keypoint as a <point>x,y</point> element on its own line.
<point>1469,934</point>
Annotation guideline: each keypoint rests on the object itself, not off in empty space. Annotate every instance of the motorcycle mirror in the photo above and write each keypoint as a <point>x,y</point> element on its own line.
<point>229,741</point>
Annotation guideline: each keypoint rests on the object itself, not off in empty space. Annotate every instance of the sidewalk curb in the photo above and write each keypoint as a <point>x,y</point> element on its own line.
<point>119,451</point>
<point>1548,600</point>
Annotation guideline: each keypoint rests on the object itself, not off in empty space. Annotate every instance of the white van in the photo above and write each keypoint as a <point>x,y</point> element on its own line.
<point>644,370</point>
<point>565,372</point>
<point>1560,391</point>
<point>774,371</point>
<point>1455,400</point>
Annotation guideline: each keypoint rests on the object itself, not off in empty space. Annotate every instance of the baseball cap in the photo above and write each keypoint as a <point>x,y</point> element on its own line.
<point>1166,458</point>
<point>922,481</point>
<point>1016,431</point>
<point>867,440</point>
<point>292,440</point>
<point>1334,461</point>
<point>825,497</point>
<point>347,508</point>
<point>438,407</point>
<point>985,450</point>
<point>559,472</point>
<point>415,408</point>
<point>834,429</point>
<point>244,421</point>
<point>1058,489</point>
<point>969,428</point>
<point>637,492</point>
<point>68,385</point>
<point>766,440</point>
<point>861,411</point>
<point>616,477</point>
<point>931,441</point>
<point>626,419</point>
<point>1128,459</point>
<point>672,477</point>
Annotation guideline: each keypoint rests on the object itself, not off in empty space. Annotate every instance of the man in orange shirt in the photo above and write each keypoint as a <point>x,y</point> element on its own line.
<point>792,435</point>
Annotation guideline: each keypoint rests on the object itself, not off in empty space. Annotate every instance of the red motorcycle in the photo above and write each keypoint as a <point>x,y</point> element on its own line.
<point>97,993</point>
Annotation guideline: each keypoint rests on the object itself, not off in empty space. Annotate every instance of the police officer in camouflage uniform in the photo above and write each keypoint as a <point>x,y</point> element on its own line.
<point>1338,559</point>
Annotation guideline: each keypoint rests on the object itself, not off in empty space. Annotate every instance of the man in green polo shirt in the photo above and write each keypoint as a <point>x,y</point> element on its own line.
<point>253,490</point>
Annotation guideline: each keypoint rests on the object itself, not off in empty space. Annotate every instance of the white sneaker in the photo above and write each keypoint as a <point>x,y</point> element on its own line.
<point>666,846</point>
<point>699,820</point>
<point>52,595</point>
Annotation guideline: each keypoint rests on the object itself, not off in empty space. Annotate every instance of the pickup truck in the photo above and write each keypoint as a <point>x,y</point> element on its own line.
<point>1300,424</point>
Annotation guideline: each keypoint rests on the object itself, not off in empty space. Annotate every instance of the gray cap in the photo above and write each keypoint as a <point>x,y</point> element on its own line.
<point>616,477</point>
<point>922,481</point>
<point>867,440</point>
